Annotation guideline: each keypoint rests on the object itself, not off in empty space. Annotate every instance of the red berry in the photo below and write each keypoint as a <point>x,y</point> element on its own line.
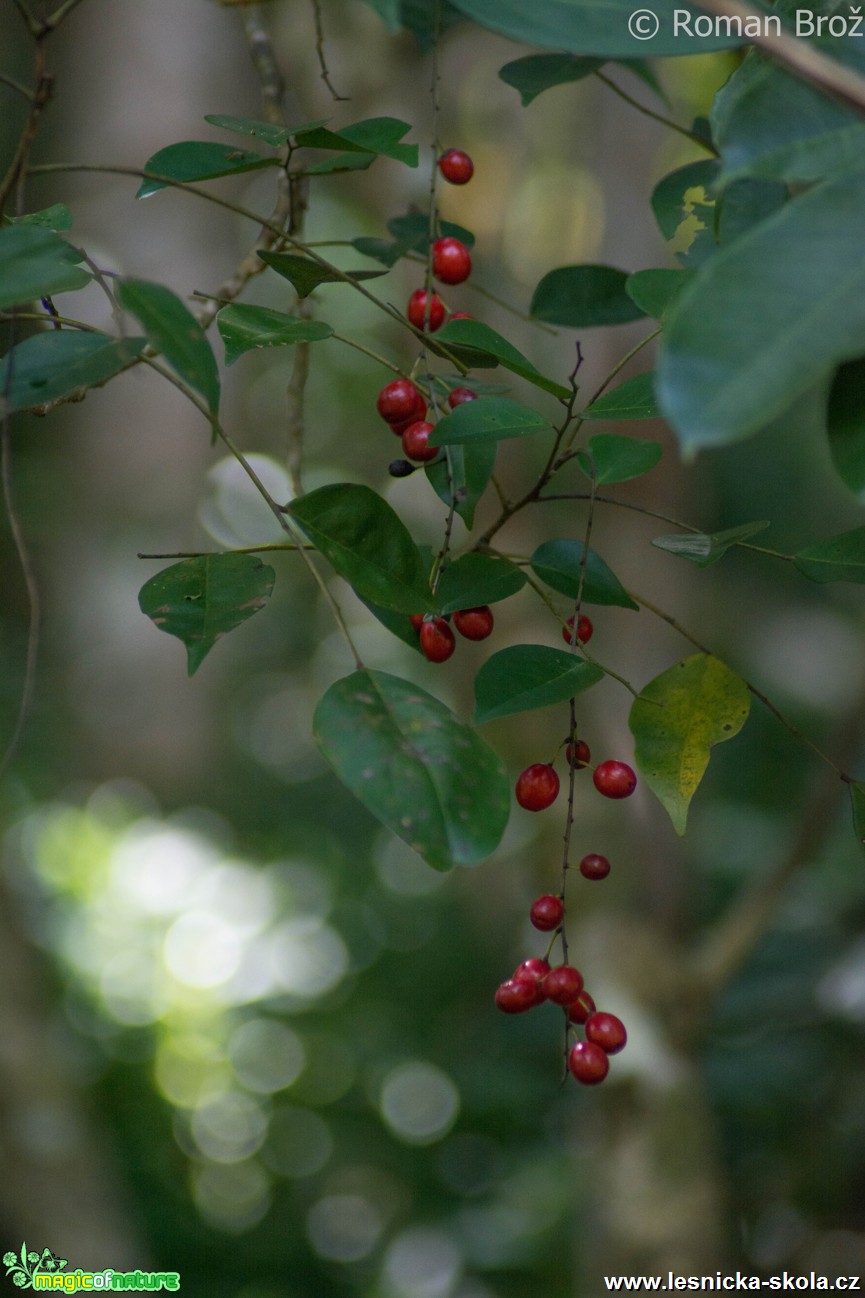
<point>474,623</point>
<point>594,866</point>
<point>578,754</point>
<point>584,630</point>
<point>580,1009</point>
<point>451,261</point>
<point>517,995</point>
<point>606,1031</point>
<point>456,166</point>
<point>437,640</point>
<point>415,442</point>
<point>457,396</point>
<point>588,1063</point>
<point>614,779</point>
<point>563,984</point>
<point>417,310</point>
<point>416,620</point>
<point>534,968</point>
<point>537,787</point>
<point>399,400</point>
<point>547,913</point>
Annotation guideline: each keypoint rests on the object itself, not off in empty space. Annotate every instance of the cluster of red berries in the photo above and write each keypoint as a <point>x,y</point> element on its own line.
<point>451,259</point>
<point>403,406</point>
<point>437,640</point>
<point>534,982</point>
<point>538,786</point>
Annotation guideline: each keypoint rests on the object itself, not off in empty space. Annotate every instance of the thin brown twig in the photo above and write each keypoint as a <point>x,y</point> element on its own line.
<point>319,49</point>
<point>656,117</point>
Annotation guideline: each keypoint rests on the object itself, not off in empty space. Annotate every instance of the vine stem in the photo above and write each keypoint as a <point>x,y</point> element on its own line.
<point>277,511</point>
<point>620,365</point>
<point>753,689</point>
<point>657,117</point>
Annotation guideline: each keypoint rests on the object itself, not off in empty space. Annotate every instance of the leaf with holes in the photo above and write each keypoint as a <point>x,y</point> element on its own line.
<point>424,774</point>
<point>200,600</point>
<point>524,677</point>
<point>677,719</point>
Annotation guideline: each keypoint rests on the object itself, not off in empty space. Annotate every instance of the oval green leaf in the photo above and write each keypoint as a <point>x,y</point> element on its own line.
<point>619,459</point>
<point>199,160</point>
<point>305,274</point>
<point>424,774</point>
<point>684,207</point>
<point>376,135</point>
<point>173,330</point>
<point>838,558</point>
<point>558,564</point>
<point>244,328</point>
<point>524,677</point>
<point>478,345</point>
<point>677,719</point>
<point>582,297</point>
<point>201,599</point>
<point>538,72</point>
<point>367,544</point>
<point>477,579</point>
<point>633,399</point>
<point>725,369</point>
<point>489,419</point>
<point>35,262</point>
<point>63,363</point>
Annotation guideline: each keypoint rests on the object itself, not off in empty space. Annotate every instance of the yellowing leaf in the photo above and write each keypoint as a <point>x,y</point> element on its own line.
<point>677,719</point>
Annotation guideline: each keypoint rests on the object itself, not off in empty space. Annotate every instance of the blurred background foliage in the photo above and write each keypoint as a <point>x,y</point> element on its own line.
<point>246,1035</point>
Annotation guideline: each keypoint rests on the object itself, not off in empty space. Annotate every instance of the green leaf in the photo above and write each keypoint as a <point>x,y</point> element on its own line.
<point>424,774</point>
<point>62,363</point>
<point>477,579</point>
<point>275,136</point>
<point>412,232</point>
<point>243,328</point>
<point>618,459</point>
<point>744,204</point>
<point>677,719</point>
<point>367,543</point>
<point>845,424</point>
<point>558,564</point>
<point>341,162</point>
<point>769,123</point>
<point>56,217</point>
<point>539,72</point>
<point>599,28</point>
<point>199,160</point>
<point>490,419</point>
<point>838,558</point>
<point>655,291</point>
<point>528,676</point>
<point>726,370</point>
<point>633,399</point>
<point>305,274</point>
<point>684,207</point>
<point>706,548</point>
<point>471,468</point>
<point>201,599</point>
<point>376,135</point>
<point>475,341</point>
<point>35,263</point>
<point>424,22</point>
<point>857,802</point>
<point>173,330</point>
<point>582,297</point>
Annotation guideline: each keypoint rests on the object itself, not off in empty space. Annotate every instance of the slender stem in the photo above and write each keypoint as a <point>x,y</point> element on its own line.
<point>63,11</point>
<point>267,548</point>
<point>657,117</point>
<point>24,10</point>
<point>17,168</point>
<point>319,49</point>
<point>620,365</point>
<point>375,356</point>
<point>758,693</point>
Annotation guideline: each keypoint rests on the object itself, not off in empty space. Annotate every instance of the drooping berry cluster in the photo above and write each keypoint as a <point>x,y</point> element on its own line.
<point>437,640</point>
<point>535,981</point>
